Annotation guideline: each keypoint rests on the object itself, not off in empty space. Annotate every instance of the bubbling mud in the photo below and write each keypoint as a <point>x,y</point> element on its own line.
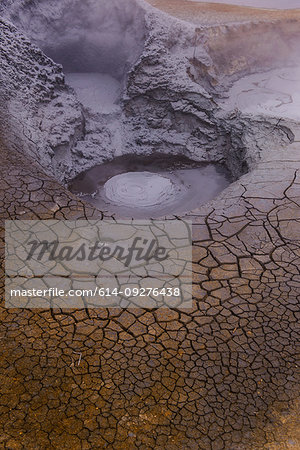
<point>141,189</point>
<point>148,187</point>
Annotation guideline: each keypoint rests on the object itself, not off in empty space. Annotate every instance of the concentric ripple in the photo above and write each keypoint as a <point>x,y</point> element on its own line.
<point>142,189</point>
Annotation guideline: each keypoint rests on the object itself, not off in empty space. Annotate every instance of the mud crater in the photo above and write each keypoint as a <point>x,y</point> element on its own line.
<point>154,186</point>
<point>130,99</point>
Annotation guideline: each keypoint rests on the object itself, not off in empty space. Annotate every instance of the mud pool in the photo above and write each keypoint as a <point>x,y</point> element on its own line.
<point>146,187</point>
<point>224,374</point>
<point>99,92</point>
<point>275,93</point>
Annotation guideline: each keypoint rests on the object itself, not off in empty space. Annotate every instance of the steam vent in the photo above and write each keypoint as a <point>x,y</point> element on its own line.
<point>157,108</point>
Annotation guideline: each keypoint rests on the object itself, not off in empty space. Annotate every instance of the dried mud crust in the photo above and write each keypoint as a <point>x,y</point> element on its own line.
<point>205,378</point>
<point>223,375</point>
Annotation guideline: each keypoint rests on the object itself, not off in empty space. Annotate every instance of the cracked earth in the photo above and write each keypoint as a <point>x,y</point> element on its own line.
<point>223,375</point>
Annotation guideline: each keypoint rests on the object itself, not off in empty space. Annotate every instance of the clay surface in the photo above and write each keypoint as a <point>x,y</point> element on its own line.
<point>225,374</point>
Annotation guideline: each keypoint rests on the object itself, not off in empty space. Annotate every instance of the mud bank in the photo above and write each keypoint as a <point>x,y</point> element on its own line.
<point>224,374</point>
<point>172,78</point>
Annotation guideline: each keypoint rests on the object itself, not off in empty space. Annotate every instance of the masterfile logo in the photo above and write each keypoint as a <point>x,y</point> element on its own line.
<point>140,250</point>
<point>82,264</point>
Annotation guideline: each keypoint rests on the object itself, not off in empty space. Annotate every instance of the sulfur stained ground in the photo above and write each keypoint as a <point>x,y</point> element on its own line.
<point>223,375</point>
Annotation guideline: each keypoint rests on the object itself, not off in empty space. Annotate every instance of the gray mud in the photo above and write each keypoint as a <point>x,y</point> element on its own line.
<point>191,185</point>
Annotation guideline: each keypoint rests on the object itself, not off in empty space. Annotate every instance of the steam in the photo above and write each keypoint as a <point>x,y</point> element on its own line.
<point>103,36</point>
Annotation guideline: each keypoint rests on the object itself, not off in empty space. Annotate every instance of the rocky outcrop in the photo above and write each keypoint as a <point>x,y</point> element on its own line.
<point>65,138</point>
<point>219,376</point>
<point>36,107</point>
<point>169,104</point>
<point>170,110</point>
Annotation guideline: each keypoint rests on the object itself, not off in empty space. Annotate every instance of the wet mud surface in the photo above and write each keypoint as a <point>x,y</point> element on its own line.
<point>157,379</point>
<point>180,185</point>
<point>222,375</point>
<point>98,92</point>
